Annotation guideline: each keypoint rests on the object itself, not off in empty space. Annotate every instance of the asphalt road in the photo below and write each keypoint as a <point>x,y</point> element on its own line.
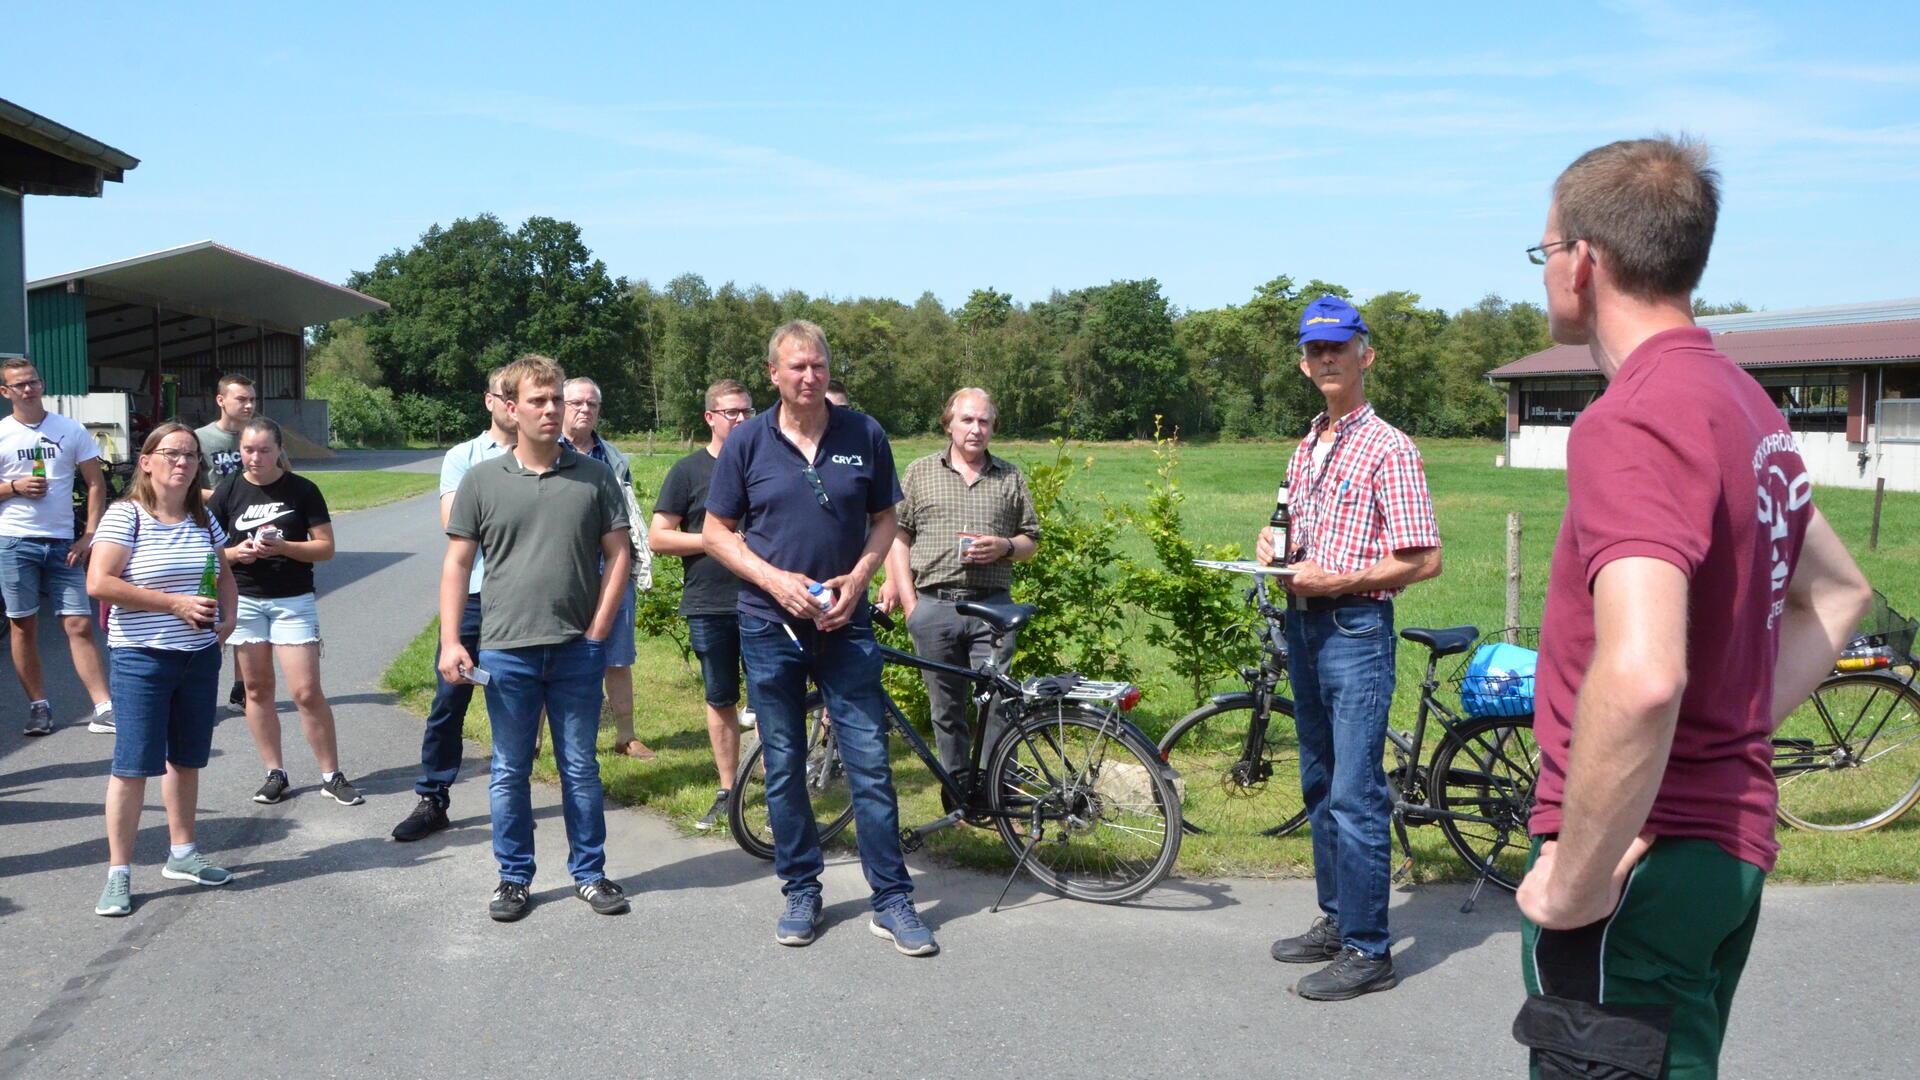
<point>338,953</point>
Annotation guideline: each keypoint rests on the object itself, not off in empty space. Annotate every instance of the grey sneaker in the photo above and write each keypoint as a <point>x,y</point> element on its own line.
<point>102,723</point>
<point>195,868</point>
<point>40,719</point>
<point>341,790</point>
<point>715,812</point>
<point>117,898</point>
<point>274,789</point>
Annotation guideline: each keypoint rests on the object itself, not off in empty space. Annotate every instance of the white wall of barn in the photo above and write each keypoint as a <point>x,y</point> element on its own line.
<point>1834,461</point>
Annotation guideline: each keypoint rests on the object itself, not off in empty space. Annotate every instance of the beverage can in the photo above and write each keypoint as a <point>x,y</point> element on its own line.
<point>966,541</point>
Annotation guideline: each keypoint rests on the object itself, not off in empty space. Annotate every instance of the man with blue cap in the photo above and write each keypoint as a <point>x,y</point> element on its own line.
<point>1363,530</point>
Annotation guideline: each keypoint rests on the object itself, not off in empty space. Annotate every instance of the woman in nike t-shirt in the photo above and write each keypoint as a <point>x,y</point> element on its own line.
<point>278,526</point>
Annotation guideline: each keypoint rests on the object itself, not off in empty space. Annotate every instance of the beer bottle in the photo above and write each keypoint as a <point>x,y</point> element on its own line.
<point>40,468</point>
<point>1282,523</point>
<point>210,578</point>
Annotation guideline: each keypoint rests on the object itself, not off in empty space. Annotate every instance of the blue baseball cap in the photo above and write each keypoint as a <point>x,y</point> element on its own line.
<point>1331,319</point>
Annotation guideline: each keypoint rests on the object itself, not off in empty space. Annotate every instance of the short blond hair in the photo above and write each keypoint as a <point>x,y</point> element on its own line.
<point>802,330</point>
<point>726,388</point>
<point>540,370</point>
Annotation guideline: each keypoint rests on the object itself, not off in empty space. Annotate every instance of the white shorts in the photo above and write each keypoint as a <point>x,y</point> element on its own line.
<point>284,620</point>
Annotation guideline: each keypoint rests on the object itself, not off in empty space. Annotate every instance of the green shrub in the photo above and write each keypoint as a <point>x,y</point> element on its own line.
<point>360,415</point>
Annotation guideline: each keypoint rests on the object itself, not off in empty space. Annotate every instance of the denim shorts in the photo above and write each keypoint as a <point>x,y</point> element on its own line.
<point>31,568</point>
<point>163,705</point>
<point>716,641</point>
<point>620,646</point>
<point>281,620</point>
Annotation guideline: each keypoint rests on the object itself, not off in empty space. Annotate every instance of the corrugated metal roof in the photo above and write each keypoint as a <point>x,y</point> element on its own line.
<point>1812,346</point>
<point>213,280</point>
<point>1828,315</point>
<point>50,137</point>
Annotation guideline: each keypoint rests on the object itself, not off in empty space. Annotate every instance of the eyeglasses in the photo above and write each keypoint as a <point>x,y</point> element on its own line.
<point>1537,254</point>
<point>819,489</point>
<point>735,415</point>
<point>175,457</point>
<point>588,404</point>
<point>26,384</point>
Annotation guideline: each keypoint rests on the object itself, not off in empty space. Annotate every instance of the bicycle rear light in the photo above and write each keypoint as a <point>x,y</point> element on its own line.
<point>1129,699</point>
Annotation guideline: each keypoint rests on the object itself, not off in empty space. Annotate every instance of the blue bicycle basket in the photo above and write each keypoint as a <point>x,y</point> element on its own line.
<point>1499,681</point>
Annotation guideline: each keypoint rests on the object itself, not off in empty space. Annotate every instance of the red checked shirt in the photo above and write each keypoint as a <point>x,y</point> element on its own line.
<point>1368,500</point>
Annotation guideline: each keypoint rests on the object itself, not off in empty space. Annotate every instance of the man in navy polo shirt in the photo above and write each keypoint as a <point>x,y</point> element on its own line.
<point>810,487</point>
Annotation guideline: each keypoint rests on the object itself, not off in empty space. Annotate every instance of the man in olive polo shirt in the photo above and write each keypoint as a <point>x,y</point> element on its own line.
<point>545,517</point>
<point>966,519</point>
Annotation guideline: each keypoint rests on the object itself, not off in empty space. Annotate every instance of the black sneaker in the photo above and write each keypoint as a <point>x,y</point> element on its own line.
<point>1318,945</point>
<point>341,790</point>
<point>604,895</point>
<point>429,817</point>
<point>510,902</point>
<point>1353,974</point>
<point>274,789</point>
<point>237,697</point>
<point>714,813</point>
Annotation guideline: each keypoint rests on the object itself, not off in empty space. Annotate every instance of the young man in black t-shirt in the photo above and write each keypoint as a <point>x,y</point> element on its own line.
<point>711,592</point>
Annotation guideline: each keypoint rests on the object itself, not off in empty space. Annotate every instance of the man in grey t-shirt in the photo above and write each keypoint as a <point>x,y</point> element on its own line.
<point>547,519</point>
<point>233,397</point>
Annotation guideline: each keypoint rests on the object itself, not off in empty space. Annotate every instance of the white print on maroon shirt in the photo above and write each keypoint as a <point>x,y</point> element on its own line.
<point>1778,497</point>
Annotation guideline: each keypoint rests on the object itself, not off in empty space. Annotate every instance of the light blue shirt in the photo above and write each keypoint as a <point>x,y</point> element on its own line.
<point>454,466</point>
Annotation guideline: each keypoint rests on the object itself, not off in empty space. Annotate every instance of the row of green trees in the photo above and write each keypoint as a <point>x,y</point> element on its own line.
<point>1100,362</point>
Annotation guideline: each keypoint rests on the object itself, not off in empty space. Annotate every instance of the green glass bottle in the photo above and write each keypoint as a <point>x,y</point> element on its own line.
<point>40,468</point>
<point>210,578</point>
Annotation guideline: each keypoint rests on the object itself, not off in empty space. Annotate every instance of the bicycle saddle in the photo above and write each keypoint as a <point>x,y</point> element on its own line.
<point>1002,617</point>
<point>1454,639</point>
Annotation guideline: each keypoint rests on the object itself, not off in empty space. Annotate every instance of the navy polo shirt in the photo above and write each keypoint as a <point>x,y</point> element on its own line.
<point>760,481</point>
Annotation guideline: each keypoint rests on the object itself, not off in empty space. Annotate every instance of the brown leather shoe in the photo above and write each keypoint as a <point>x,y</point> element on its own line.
<point>634,748</point>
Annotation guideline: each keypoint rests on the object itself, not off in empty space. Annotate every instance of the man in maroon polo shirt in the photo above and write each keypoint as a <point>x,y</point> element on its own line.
<point>1696,597</point>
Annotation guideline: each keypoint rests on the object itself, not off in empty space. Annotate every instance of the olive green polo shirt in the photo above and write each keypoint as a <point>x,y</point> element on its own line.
<point>540,533</point>
<point>940,505</point>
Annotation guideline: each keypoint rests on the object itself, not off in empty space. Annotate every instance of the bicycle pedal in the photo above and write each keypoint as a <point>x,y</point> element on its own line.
<point>910,841</point>
<point>1404,870</point>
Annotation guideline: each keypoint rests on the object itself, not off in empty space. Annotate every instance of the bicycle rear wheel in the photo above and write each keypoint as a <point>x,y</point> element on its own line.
<point>1486,768</point>
<point>1848,759</point>
<point>1226,790</point>
<point>826,789</point>
<point>1086,791</point>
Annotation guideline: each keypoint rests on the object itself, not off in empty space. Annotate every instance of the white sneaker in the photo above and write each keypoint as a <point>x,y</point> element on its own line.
<point>102,723</point>
<point>747,719</point>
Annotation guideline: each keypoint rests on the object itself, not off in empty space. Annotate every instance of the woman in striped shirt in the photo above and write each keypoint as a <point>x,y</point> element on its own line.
<point>151,557</point>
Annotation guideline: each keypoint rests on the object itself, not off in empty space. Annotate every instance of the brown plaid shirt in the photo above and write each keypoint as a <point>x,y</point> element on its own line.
<point>939,506</point>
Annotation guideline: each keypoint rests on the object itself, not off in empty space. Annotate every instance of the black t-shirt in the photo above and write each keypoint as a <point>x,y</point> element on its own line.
<point>711,588</point>
<point>294,505</point>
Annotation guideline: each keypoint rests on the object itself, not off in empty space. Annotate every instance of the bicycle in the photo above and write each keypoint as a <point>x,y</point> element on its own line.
<point>1249,767</point>
<point>1848,760</point>
<point>1075,791</point>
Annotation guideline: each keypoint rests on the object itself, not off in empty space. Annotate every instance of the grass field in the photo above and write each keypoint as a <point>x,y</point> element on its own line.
<point>371,487</point>
<point>1230,490</point>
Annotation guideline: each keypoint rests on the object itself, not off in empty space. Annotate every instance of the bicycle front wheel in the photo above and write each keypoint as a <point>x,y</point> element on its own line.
<point>1484,772</point>
<point>1848,759</point>
<point>1082,795</point>
<point>826,789</point>
<point>1229,790</point>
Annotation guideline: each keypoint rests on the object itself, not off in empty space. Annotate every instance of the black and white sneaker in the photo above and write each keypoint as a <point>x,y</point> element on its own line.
<point>341,790</point>
<point>605,897</point>
<point>39,718</point>
<point>715,812</point>
<point>510,902</point>
<point>274,789</point>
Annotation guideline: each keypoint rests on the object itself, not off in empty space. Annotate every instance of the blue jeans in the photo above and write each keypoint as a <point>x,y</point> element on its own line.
<point>1342,668</point>
<point>163,702</point>
<point>565,680</point>
<point>845,665</point>
<point>30,569</point>
<point>716,641</point>
<point>440,746</point>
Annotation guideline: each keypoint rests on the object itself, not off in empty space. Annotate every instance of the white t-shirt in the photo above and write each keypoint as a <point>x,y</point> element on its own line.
<point>63,444</point>
<point>170,558</point>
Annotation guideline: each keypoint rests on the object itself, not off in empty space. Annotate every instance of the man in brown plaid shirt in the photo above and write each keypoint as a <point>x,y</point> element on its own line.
<point>966,519</point>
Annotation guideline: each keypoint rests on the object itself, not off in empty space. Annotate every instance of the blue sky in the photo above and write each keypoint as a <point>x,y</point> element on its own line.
<point>875,150</point>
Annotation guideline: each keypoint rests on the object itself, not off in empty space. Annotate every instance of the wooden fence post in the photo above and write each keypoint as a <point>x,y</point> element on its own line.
<point>1513,574</point>
<point>1879,493</point>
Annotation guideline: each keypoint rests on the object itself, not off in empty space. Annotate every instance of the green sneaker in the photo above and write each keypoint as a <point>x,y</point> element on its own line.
<point>117,898</point>
<point>197,869</point>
